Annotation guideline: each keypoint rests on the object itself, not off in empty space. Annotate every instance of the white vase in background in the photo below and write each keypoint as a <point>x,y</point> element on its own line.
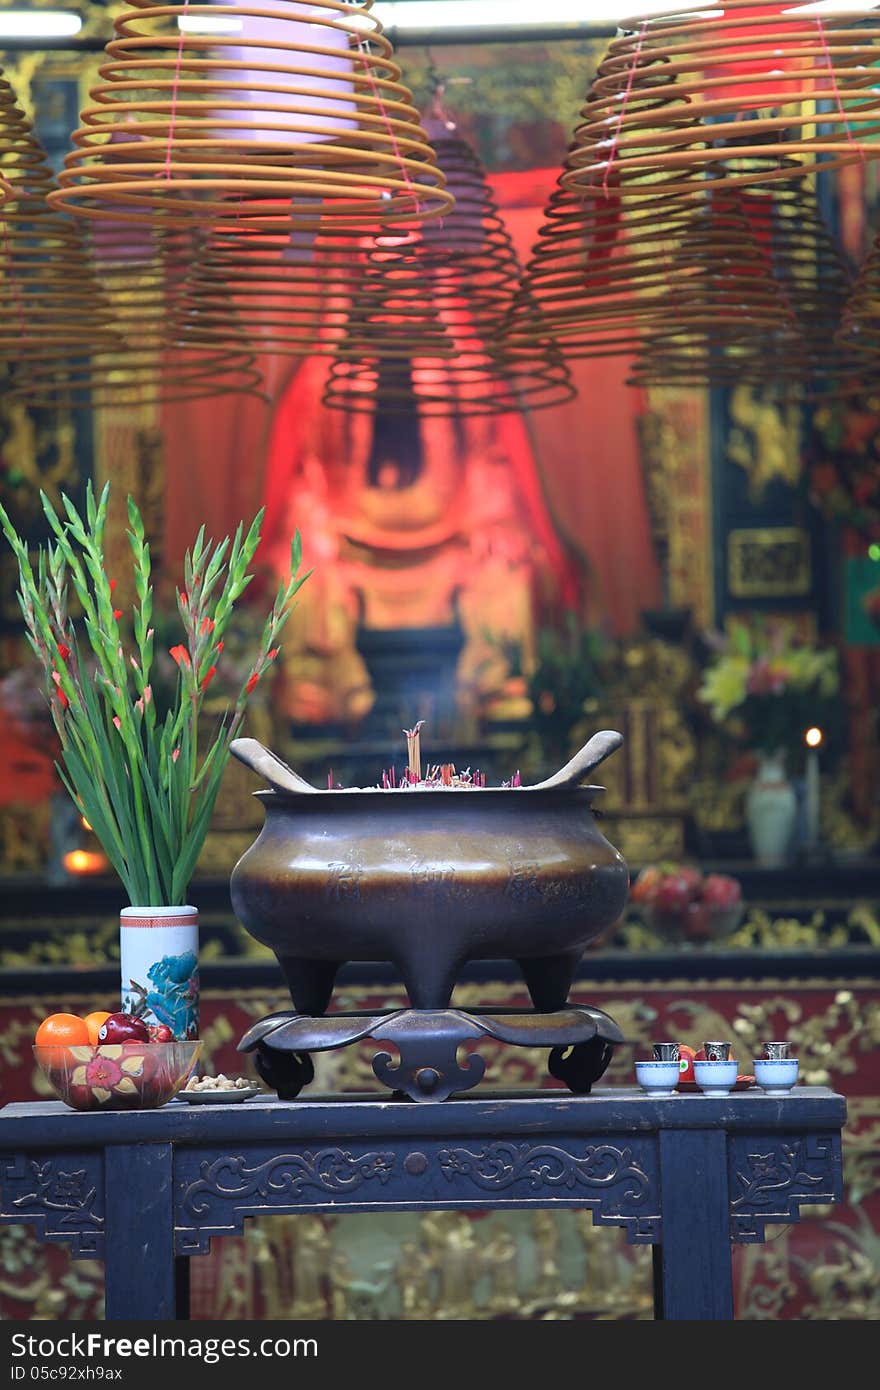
<point>159,966</point>
<point>771,811</point>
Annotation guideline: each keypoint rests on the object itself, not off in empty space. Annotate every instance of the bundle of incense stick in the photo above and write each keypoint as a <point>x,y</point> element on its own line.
<point>413,751</point>
<point>438,777</point>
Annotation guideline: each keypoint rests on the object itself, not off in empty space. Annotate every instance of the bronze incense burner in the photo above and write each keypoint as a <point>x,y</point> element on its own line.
<point>429,879</point>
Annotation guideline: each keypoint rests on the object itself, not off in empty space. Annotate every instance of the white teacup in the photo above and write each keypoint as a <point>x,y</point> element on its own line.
<point>658,1078</point>
<point>715,1078</point>
<point>776,1075</point>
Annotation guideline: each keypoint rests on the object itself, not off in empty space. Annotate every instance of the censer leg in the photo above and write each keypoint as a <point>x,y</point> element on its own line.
<point>429,983</point>
<point>310,982</point>
<point>548,980</point>
<point>579,1066</point>
<point>285,1072</point>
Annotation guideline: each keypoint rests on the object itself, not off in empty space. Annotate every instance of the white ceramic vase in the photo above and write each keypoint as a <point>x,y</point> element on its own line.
<point>159,966</point>
<point>771,811</point>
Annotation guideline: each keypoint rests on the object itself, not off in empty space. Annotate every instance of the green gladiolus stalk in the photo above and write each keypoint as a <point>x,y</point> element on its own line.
<point>142,781</point>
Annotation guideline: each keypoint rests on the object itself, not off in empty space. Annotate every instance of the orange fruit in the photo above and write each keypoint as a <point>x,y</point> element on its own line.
<point>93,1022</point>
<point>66,1030</point>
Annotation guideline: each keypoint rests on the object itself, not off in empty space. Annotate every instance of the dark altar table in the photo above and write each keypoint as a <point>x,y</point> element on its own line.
<point>687,1174</point>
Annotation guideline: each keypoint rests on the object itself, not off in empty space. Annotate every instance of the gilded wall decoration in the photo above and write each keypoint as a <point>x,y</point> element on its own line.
<point>764,438</point>
<point>769,562</point>
<point>676,450</point>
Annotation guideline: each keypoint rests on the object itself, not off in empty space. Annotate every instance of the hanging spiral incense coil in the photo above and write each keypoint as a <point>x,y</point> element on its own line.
<point>725,316</point>
<point>807,265</point>
<point>472,275</point>
<point>857,343</point>
<point>678,92</point>
<point>789,236</point>
<point>301,103</point>
<point>144,320</point>
<point>607,274</point>
<point>167,350</point>
<point>50,304</point>
<point>393,315</point>
<point>598,273</point>
<point>290,291</point>
<point>76,330</point>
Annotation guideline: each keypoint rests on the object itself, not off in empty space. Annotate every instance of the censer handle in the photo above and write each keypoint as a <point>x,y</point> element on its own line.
<point>280,777</point>
<point>599,747</point>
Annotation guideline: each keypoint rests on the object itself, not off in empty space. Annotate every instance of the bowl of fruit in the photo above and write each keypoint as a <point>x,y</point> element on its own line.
<point>682,903</point>
<point>112,1061</point>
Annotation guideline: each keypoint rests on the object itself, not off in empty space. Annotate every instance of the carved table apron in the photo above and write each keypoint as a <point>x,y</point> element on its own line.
<point>687,1173</point>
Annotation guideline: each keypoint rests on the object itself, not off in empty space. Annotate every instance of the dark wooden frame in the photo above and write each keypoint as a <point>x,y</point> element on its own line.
<point>687,1174</point>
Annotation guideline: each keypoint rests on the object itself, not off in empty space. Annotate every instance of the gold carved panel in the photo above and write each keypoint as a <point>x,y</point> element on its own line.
<point>769,562</point>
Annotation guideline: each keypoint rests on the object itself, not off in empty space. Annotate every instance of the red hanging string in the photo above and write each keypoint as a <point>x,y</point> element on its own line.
<point>849,135</point>
<point>629,81</point>
<point>174,87</point>
<point>367,66</point>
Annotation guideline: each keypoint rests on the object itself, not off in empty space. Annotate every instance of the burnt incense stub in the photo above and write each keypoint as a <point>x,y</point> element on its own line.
<point>428,878</point>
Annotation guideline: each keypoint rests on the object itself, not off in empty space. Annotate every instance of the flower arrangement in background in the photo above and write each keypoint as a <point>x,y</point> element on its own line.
<point>140,774</point>
<point>767,684</point>
<point>844,463</point>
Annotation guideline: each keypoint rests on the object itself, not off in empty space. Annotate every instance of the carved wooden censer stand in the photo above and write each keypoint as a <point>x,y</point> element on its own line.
<point>429,876</point>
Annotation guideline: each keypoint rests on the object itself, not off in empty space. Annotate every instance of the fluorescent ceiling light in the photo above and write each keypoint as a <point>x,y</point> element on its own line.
<point>38,24</point>
<point>474,14</point>
<point>507,14</point>
<point>521,14</point>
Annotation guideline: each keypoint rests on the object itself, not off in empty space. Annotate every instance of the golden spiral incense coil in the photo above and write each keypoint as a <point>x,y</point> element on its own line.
<point>50,303</point>
<point>471,275</point>
<point>166,347</point>
<point>610,276</point>
<point>856,348</point>
<point>81,324</point>
<point>725,316</point>
<point>725,84</point>
<point>598,272</point>
<point>290,290</point>
<point>299,104</point>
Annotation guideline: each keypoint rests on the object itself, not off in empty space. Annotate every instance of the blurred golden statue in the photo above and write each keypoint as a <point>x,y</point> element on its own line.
<point>410,523</point>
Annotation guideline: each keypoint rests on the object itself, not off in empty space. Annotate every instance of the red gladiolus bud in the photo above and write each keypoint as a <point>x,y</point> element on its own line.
<point>207,625</point>
<point>112,585</point>
<point>270,656</point>
<point>180,654</point>
<point>183,597</point>
<point>252,682</point>
<point>61,695</point>
<point>117,613</point>
<point>219,648</point>
<point>117,721</point>
<point>175,755</point>
<point>63,650</point>
<point>208,676</point>
<point>148,694</point>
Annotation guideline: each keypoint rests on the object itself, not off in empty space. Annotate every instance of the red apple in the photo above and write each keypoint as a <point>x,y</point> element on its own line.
<point>697,925</point>
<point>160,1032</point>
<point>673,894</point>
<point>692,877</point>
<point>119,1028</point>
<point>721,891</point>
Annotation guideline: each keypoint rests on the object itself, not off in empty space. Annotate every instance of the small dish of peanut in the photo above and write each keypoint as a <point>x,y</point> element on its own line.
<point>220,1089</point>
